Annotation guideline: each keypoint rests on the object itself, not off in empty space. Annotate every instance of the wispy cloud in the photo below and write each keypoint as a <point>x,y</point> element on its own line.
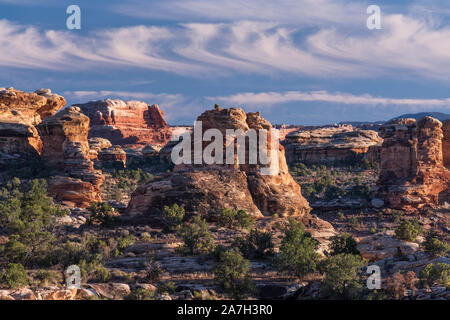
<point>268,99</point>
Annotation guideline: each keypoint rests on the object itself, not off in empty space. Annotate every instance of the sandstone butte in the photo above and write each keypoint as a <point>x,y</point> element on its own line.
<point>331,144</point>
<point>413,175</point>
<point>65,146</point>
<point>20,112</point>
<point>127,123</point>
<point>206,189</point>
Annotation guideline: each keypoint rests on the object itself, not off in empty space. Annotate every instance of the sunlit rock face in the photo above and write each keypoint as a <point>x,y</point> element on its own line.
<point>413,175</point>
<point>127,122</point>
<point>207,188</point>
<point>66,147</point>
<point>20,112</point>
<point>331,144</point>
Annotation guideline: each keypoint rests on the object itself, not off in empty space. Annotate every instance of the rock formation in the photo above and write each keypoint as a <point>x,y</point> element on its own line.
<point>113,156</point>
<point>412,172</point>
<point>206,189</point>
<point>65,146</point>
<point>127,123</point>
<point>446,143</point>
<point>327,145</point>
<point>20,112</point>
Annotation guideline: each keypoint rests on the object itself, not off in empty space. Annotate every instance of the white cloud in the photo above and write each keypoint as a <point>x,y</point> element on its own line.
<point>268,99</point>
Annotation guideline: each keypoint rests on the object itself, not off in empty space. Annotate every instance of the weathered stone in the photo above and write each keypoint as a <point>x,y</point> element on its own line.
<point>376,247</point>
<point>207,189</point>
<point>127,123</point>
<point>412,173</point>
<point>330,144</point>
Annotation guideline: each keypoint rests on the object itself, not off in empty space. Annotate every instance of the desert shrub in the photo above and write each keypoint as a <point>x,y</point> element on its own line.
<point>145,236</point>
<point>196,236</point>
<point>141,294</point>
<point>408,230</point>
<point>343,243</point>
<point>172,217</point>
<point>355,223</point>
<point>435,247</point>
<point>28,217</point>
<point>258,244</point>
<point>435,274</point>
<point>125,242</point>
<point>398,284</point>
<point>342,276</point>
<point>94,271</point>
<point>232,218</point>
<point>167,287</point>
<point>153,269</point>
<point>297,251</point>
<point>47,277</point>
<point>300,169</point>
<point>102,213</point>
<point>397,215</point>
<point>232,274</point>
<point>15,276</point>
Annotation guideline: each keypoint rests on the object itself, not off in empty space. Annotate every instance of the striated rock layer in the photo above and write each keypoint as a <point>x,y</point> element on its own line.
<point>206,189</point>
<point>446,143</point>
<point>412,173</point>
<point>65,145</point>
<point>328,145</point>
<point>20,112</point>
<point>127,123</point>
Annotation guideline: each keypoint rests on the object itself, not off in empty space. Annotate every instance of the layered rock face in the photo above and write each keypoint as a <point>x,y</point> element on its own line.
<point>20,112</point>
<point>65,145</point>
<point>113,156</point>
<point>207,188</point>
<point>328,145</point>
<point>127,123</point>
<point>446,143</point>
<point>412,174</point>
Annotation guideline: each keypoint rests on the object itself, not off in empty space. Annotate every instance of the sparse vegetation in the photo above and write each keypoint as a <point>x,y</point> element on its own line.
<point>435,247</point>
<point>232,218</point>
<point>196,236</point>
<point>232,274</point>
<point>298,255</point>
<point>343,243</point>
<point>408,230</point>
<point>257,245</point>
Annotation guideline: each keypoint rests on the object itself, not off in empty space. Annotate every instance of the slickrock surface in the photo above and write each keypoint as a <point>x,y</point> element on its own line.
<point>446,143</point>
<point>329,144</point>
<point>65,145</point>
<point>127,123</point>
<point>206,189</point>
<point>19,113</point>
<point>412,172</point>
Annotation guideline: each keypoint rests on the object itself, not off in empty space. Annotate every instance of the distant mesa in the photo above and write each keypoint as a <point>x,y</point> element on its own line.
<point>331,144</point>
<point>127,122</point>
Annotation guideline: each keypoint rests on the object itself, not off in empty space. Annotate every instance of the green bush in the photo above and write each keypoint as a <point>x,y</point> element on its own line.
<point>342,276</point>
<point>436,275</point>
<point>434,247</point>
<point>257,244</point>
<point>232,218</point>
<point>102,213</point>
<point>408,230</point>
<point>15,276</point>
<point>172,217</point>
<point>297,251</point>
<point>232,274</point>
<point>141,294</point>
<point>94,271</point>
<point>196,236</point>
<point>28,216</point>
<point>343,243</point>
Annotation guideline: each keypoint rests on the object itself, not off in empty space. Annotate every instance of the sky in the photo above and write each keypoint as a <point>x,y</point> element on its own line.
<point>304,62</point>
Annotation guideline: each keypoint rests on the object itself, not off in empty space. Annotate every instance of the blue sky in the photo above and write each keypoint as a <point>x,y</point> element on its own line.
<point>304,62</point>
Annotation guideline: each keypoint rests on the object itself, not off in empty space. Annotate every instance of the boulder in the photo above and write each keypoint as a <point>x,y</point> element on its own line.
<point>379,247</point>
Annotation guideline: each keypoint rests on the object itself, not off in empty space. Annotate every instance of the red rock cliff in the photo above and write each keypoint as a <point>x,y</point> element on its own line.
<point>127,123</point>
<point>412,173</point>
